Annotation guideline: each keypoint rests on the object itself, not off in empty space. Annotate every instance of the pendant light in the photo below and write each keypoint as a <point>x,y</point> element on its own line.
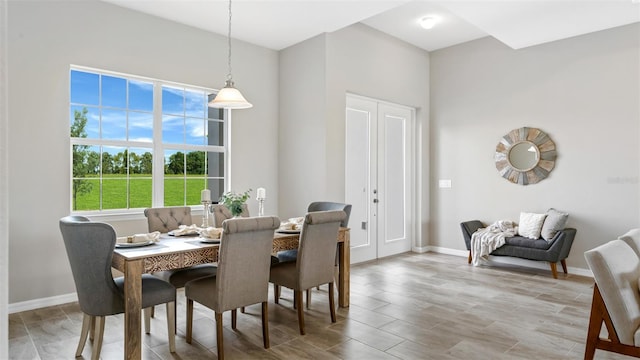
<point>229,97</point>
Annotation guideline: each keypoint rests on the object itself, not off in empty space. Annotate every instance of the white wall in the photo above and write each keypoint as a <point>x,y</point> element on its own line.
<point>4,185</point>
<point>358,60</point>
<point>302,128</point>
<point>45,37</point>
<point>583,91</point>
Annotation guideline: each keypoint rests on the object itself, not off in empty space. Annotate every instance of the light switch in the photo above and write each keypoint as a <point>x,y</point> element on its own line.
<point>444,183</point>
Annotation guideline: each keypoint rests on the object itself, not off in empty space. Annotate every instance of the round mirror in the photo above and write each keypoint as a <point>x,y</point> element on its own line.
<point>525,156</point>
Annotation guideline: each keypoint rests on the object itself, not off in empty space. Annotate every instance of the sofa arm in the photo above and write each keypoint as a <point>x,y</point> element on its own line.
<point>468,228</point>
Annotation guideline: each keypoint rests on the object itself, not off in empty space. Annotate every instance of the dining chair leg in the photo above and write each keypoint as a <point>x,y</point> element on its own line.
<point>332,305</point>
<point>295,299</point>
<point>147,320</point>
<point>97,347</point>
<point>92,330</point>
<point>189,320</point>
<point>298,300</point>
<point>265,324</point>
<point>242,309</point>
<point>171,325</point>
<point>219,340</point>
<point>86,324</point>
<point>308,297</point>
<point>153,311</point>
<point>276,293</point>
<point>234,318</point>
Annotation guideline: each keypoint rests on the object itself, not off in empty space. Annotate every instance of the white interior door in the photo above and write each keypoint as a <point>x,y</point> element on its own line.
<point>379,168</point>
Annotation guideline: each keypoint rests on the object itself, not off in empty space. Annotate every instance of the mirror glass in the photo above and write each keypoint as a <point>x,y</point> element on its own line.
<point>523,156</point>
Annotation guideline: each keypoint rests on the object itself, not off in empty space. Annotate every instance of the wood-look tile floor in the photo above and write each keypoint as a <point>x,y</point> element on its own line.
<point>409,306</point>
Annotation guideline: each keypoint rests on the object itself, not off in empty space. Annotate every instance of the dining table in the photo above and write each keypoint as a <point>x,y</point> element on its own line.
<point>177,252</point>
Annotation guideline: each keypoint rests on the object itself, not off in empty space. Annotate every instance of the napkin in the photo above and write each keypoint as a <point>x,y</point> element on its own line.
<point>211,233</point>
<point>292,224</point>
<point>185,230</point>
<point>139,238</point>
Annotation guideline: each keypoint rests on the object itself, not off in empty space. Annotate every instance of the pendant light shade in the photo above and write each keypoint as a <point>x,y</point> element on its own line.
<point>229,97</point>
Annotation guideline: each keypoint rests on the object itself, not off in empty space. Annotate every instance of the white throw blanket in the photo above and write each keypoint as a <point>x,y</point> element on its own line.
<point>485,240</point>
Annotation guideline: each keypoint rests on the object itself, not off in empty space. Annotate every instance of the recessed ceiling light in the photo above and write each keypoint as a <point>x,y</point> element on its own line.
<point>428,22</point>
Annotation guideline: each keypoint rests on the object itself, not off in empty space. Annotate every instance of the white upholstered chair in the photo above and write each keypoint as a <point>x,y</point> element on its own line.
<point>243,274</point>
<point>616,299</point>
<point>632,238</point>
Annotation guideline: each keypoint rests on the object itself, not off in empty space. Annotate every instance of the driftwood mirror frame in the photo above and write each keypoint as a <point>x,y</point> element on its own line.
<point>545,156</point>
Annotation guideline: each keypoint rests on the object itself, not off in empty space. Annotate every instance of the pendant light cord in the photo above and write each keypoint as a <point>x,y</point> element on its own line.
<point>229,43</point>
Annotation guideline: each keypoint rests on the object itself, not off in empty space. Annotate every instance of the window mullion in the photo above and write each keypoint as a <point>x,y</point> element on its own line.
<point>158,149</point>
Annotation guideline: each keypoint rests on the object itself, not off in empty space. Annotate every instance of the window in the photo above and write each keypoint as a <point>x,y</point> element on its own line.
<point>138,142</point>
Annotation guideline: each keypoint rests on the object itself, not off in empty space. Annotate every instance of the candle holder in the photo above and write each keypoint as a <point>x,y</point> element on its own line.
<point>205,214</point>
<point>260,207</point>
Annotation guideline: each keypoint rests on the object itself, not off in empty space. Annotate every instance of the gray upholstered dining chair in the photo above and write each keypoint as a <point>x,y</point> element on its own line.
<point>222,213</point>
<point>315,260</point>
<point>616,299</point>
<point>243,274</point>
<point>166,219</point>
<point>291,255</point>
<point>90,248</point>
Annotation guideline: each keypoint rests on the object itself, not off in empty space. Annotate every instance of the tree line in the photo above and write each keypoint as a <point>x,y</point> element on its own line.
<point>87,162</point>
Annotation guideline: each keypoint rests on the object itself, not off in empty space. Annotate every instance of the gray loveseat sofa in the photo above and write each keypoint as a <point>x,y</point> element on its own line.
<point>554,251</point>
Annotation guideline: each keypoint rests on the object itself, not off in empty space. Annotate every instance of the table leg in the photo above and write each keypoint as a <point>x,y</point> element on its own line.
<point>133,306</point>
<point>344,268</point>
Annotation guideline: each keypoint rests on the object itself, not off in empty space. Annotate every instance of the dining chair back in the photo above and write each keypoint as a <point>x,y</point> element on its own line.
<point>222,213</point>
<point>165,219</point>
<point>632,238</point>
<point>315,260</point>
<point>243,274</point>
<point>328,205</point>
<point>616,300</point>
<point>89,246</point>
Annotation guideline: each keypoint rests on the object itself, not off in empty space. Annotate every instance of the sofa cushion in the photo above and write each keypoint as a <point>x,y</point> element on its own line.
<point>554,222</point>
<point>525,242</point>
<point>530,224</point>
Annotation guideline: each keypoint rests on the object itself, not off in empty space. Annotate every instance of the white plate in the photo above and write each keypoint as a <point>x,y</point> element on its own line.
<point>190,233</point>
<point>132,245</point>
<point>285,231</point>
<point>209,241</point>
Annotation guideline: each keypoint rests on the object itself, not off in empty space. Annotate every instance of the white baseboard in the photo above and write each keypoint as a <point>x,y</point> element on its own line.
<point>41,303</point>
<point>420,250</point>
<point>512,261</point>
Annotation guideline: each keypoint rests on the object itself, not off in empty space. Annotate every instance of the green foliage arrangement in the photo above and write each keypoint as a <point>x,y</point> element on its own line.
<point>234,201</point>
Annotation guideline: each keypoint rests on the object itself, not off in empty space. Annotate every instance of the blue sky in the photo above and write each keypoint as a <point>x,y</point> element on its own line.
<point>126,109</point>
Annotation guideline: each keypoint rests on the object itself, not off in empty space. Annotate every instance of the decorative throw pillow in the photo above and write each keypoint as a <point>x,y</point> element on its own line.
<point>530,225</point>
<point>555,221</point>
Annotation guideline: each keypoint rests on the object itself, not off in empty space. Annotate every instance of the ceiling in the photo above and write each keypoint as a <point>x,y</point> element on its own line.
<point>277,24</point>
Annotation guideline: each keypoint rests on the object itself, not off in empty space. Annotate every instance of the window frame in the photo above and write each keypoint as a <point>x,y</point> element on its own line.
<point>156,146</point>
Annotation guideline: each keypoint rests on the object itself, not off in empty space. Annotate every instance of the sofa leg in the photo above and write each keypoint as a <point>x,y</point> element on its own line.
<point>469,259</point>
<point>564,265</point>
<point>554,269</point>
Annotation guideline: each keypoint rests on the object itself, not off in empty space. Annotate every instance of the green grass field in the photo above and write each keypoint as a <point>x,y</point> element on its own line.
<point>116,189</point>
